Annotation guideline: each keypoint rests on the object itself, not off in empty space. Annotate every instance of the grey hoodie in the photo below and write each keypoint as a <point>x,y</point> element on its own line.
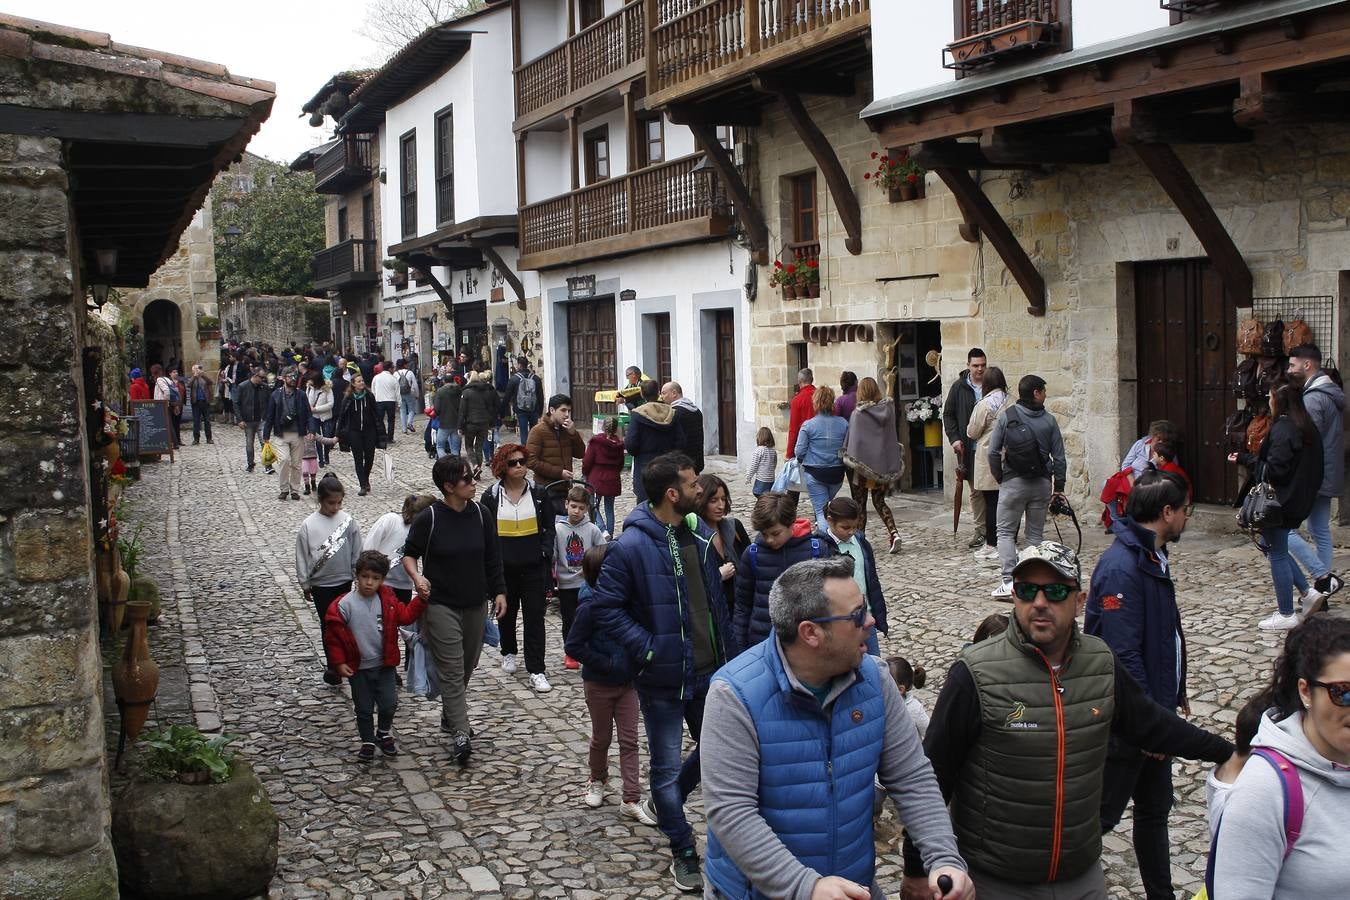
<point>1249,861</point>
<point>1326,405</point>
<point>1046,429</point>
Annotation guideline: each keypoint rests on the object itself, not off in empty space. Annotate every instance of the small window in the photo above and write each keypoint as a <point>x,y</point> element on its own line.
<point>726,136</point>
<point>592,11</point>
<point>804,229</point>
<point>445,167</point>
<point>597,154</point>
<point>343,231</point>
<point>408,182</point>
<point>651,141</point>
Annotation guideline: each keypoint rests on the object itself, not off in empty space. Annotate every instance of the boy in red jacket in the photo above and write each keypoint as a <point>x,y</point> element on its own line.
<point>362,641</point>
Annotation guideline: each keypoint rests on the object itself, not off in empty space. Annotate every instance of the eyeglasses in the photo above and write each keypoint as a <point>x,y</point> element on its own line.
<point>858,617</point>
<point>513,463</point>
<point>1055,593</point>
<point>1338,691</point>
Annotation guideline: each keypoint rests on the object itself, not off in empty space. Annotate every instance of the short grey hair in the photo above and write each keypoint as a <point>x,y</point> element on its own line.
<point>799,593</point>
<point>806,376</point>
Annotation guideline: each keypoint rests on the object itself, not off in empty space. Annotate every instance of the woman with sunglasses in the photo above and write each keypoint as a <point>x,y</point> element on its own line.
<point>1260,848</point>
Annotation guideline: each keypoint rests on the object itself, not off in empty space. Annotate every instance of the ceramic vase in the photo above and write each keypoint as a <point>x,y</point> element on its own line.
<point>135,677</point>
<point>117,599</point>
<point>932,434</point>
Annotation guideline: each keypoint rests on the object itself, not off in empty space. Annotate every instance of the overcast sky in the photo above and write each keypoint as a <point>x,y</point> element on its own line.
<point>295,43</point>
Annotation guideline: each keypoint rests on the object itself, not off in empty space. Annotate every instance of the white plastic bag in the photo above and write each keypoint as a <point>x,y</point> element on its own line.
<point>790,477</point>
<point>423,679</point>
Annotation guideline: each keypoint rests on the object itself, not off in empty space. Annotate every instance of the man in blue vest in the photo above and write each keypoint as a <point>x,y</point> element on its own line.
<point>796,731</point>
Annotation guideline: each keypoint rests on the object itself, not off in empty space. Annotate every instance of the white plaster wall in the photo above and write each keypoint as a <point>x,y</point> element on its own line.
<point>493,110</point>
<point>908,36</point>
<point>543,26</point>
<point>618,142</point>
<point>547,166</point>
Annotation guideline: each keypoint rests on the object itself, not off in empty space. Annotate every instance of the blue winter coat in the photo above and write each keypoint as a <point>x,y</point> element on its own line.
<point>644,606</point>
<point>759,569</point>
<point>602,658</point>
<point>817,768</point>
<point>1133,607</point>
<point>875,599</point>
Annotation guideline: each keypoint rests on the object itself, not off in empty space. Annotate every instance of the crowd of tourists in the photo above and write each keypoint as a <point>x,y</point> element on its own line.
<point>760,644</point>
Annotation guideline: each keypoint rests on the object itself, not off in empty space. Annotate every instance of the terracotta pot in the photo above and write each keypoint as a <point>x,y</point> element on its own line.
<point>117,600</point>
<point>789,292</point>
<point>112,451</point>
<point>103,571</point>
<point>135,677</point>
<point>906,191</point>
<point>813,290</point>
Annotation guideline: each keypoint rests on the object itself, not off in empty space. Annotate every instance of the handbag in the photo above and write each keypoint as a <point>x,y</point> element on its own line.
<point>1260,508</point>
<point>790,477</point>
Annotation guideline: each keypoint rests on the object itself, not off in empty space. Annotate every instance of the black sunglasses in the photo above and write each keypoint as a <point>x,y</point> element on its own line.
<point>513,463</point>
<point>1338,691</point>
<point>858,617</point>
<point>1055,593</point>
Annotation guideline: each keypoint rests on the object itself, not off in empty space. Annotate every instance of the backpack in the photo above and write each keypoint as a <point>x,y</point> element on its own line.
<point>1296,334</point>
<point>1270,371</point>
<point>1022,453</point>
<point>754,556</point>
<point>404,383</point>
<point>1249,336</point>
<point>1293,809</point>
<point>174,398</point>
<point>1244,380</point>
<point>1272,339</point>
<point>527,394</point>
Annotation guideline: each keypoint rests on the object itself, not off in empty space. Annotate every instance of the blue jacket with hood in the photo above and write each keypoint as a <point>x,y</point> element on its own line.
<point>1133,607</point>
<point>644,605</point>
<point>759,569</point>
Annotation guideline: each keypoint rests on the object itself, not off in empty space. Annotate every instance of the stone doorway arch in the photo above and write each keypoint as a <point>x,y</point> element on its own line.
<point>163,326</point>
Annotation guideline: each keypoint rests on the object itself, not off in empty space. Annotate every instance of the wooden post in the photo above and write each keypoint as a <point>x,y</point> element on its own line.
<point>649,24</point>
<point>630,120</point>
<point>572,141</point>
<point>521,200</point>
<point>751,26</point>
<point>515,37</point>
<point>571,18</point>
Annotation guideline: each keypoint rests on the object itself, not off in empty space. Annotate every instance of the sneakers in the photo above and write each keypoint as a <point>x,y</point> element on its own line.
<point>463,749</point>
<point>895,543</point>
<point>284,495</point>
<point>294,495</point>
<point>1277,621</point>
<point>1003,591</point>
<point>570,663</point>
<point>595,794</point>
<point>539,682</point>
<point>366,753</point>
<point>268,470</point>
<point>648,809</point>
<point>509,663</point>
<point>386,744</point>
<point>1313,601</point>
<point>986,553</point>
<point>687,871</point>
<point>975,542</point>
<point>1328,584</point>
<point>248,469</point>
<point>364,490</point>
<point>639,812</point>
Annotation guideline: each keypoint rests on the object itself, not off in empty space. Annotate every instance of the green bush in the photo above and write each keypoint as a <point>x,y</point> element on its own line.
<point>182,753</point>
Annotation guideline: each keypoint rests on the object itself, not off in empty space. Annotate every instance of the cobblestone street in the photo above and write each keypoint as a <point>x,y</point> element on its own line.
<point>240,649</point>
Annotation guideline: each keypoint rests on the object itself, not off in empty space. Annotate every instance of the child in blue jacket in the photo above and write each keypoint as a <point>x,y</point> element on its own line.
<point>843,515</point>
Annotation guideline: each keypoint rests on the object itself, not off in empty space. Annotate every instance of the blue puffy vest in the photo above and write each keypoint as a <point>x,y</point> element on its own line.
<point>815,773</point>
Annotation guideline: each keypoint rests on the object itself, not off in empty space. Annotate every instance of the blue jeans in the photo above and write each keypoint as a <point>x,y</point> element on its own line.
<point>672,780</point>
<point>761,486</point>
<point>1318,563</point>
<point>448,442</point>
<point>526,422</point>
<point>821,493</point>
<point>408,404</point>
<point>1284,571</point>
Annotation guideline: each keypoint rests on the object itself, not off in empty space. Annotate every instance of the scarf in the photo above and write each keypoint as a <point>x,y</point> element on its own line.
<point>996,401</point>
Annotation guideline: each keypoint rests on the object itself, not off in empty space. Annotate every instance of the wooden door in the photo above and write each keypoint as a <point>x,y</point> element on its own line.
<point>662,323</point>
<point>726,382</point>
<point>1187,348</point>
<point>590,355</point>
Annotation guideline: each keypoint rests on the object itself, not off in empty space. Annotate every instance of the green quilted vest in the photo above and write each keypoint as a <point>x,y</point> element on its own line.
<point>1027,805</point>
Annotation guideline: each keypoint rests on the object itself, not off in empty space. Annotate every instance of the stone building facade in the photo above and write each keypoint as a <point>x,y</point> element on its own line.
<point>268,319</point>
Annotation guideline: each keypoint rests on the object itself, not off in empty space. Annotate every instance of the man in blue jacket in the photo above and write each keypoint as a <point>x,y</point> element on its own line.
<point>1133,607</point>
<point>660,596</point>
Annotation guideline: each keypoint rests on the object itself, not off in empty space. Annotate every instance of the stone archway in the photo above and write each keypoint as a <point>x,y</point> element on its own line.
<point>163,326</point>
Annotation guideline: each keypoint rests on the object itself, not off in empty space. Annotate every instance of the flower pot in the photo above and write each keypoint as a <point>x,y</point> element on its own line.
<point>904,191</point>
<point>135,677</point>
<point>789,292</point>
<point>932,434</point>
<point>813,290</point>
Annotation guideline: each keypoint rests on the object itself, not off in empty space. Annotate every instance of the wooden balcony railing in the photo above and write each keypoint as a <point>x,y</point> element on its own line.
<point>694,38</point>
<point>343,166</point>
<point>658,196</point>
<point>989,29</point>
<point>608,46</point>
<point>346,263</point>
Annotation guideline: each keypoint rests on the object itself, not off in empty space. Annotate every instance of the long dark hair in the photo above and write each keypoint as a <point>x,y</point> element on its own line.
<point>1288,401</point>
<point>1307,650</point>
<point>994,380</point>
<point>711,484</point>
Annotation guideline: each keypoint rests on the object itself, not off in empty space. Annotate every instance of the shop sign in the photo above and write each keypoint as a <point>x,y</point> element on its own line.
<point>581,287</point>
<point>838,332</point>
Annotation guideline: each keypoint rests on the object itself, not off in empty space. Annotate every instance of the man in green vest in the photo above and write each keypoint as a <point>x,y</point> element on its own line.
<point>1019,736</point>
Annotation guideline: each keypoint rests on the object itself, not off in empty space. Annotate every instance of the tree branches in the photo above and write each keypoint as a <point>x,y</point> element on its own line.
<point>394,23</point>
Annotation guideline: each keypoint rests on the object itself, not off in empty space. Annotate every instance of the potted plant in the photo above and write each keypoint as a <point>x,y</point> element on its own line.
<point>398,272</point>
<point>208,327</point>
<point>900,176</point>
<point>195,821</point>
<point>927,411</point>
<point>785,277</point>
<point>143,587</point>
<point>808,278</point>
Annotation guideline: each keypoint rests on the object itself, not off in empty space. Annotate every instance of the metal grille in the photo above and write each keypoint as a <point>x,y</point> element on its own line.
<point>1318,312</point>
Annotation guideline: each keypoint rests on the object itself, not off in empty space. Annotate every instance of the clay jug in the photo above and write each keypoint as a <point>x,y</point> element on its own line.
<point>135,677</point>
<point>117,601</point>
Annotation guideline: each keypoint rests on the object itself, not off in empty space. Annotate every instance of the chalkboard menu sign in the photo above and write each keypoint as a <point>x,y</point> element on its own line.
<point>153,415</point>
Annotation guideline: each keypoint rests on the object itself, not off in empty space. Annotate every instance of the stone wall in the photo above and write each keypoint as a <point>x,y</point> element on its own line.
<point>53,795</point>
<point>267,319</point>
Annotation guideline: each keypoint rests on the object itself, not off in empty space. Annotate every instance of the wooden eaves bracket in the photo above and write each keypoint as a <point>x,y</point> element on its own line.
<point>750,215</point>
<point>425,263</point>
<point>490,251</point>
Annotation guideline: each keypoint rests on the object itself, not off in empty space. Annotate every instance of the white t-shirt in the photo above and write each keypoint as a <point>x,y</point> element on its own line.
<point>387,536</point>
<point>385,387</point>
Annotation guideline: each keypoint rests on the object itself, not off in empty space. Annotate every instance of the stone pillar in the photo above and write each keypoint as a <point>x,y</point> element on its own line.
<point>53,783</point>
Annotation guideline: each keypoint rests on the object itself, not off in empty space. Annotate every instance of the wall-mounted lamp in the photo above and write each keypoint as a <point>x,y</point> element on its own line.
<point>107,261</point>
<point>100,295</point>
<point>231,234</point>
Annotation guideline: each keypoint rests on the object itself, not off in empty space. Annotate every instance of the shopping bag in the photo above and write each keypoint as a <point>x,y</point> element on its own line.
<point>388,466</point>
<point>790,477</point>
<point>423,679</point>
<point>492,635</point>
<point>269,455</point>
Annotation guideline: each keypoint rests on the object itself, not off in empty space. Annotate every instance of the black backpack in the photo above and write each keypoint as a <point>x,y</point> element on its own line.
<point>1023,456</point>
<point>1244,379</point>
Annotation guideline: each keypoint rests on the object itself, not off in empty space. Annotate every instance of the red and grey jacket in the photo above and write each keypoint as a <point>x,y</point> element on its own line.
<point>341,643</point>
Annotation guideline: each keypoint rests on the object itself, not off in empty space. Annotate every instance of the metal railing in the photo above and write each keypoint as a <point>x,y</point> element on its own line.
<point>616,41</point>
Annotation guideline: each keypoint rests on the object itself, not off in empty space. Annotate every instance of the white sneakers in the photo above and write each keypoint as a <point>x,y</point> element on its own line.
<point>987,554</point>
<point>895,543</point>
<point>638,811</point>
<point>1003,591</point>
<point>595,794</point>
<point>540,683</point>
<point>509,663</point>
<point>1277,621</point>
<point>1313,601</point>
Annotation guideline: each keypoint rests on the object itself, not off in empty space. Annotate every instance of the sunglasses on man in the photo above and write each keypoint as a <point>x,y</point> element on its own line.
<point>1338,691</point>
<point>858,617</point>
<point>1055,593</point>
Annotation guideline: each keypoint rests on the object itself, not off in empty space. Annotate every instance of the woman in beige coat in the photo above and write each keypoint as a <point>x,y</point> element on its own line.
<point>982,420</point>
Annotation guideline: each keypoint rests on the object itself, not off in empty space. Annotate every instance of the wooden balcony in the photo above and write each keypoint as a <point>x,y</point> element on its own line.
<point>344,166</point>
<point>350,263</point>
<point>702,45</point>
<point>990,31</point>
<point>596,59</point>
<point>662,205</point>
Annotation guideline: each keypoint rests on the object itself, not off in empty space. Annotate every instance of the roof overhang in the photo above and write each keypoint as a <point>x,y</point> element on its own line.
<point>432,53</point>
<point>342,83</point>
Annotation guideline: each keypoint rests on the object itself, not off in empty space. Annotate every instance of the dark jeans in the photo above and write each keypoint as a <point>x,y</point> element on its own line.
<point>323,598</point>
<point>567,607</point>
<point>387,409</point>
<point>374,689</point>
<point>672,780</point>
<point>250,438</point>
<point>176,427</point>
<point>201,414</point>
<point>525,589</point>
<point>526,421</point>
<point>363,455</point>
<point>1130,774</point>
<point>990,518</point>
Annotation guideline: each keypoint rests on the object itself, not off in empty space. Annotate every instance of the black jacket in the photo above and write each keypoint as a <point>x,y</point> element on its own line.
<point>275,419</point>
<point>543,513</point>
<point>1292,465</point>
<point>956,417</point>
<point>359,416</point>
<point>446,402</point>
<point>478,407</point>
<point>689,419</point>
<point>253,400</point>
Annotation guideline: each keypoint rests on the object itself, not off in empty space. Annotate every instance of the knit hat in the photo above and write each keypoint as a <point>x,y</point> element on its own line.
<point>135,373</point>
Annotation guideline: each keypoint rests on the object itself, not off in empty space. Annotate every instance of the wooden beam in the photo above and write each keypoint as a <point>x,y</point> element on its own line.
<point>983,214</point>
<point>845,200</point>
<point>1260,103</point>
<point>951,154</point>
<point>746,210</point>
<point>144,129</point>
<point>1171,174</point>
<point>742,114</point>
<point>573,138</point>
<point>496,259</point>
<point>440,290</point>
<point>1134,124</point>
<point>827,84</point>
<point>520,165</point>
<point>1022,147</point>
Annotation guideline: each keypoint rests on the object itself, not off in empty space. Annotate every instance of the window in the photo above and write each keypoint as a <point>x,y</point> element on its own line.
<point>597,154</point>
<point>343,232</point>
<point>592,11</point>
<point>804,209</point>
<point>726,136</point>
<point>368,216</point>
<point>651,141</point>
<point>407,175</point>
<point>445,166</point>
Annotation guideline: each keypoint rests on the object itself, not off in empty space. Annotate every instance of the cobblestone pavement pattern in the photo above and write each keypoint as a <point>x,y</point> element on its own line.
<point>238,639</point>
